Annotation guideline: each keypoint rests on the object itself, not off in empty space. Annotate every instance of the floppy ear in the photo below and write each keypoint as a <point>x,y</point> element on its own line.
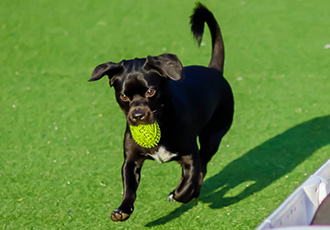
<point>109,68</point>
<point>167,65</point>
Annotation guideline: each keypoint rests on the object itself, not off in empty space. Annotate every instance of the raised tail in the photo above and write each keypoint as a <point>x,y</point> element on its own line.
<point>201,15</point>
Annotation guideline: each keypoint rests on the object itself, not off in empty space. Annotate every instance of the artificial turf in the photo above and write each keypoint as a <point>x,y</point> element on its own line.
<point>61,137</point>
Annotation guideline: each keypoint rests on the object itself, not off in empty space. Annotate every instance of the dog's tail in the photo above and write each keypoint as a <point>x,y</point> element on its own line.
<point>201,15</point>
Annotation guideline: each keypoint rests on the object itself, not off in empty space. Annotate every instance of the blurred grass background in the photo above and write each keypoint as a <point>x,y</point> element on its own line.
<point>61,137</point>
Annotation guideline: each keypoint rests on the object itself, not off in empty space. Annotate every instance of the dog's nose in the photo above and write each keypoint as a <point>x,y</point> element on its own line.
<point>138,115</point>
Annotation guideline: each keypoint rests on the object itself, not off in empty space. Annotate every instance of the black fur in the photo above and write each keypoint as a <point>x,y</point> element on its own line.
<point>187,102</point>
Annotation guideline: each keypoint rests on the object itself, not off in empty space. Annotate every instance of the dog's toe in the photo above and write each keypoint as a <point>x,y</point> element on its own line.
<point>119,215</point>
<point>171,198</point>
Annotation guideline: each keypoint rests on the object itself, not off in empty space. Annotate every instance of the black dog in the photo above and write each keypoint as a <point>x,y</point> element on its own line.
<point>187,103</point>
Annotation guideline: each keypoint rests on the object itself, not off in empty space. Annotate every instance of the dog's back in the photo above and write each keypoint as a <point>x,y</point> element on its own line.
<point>198,96</point>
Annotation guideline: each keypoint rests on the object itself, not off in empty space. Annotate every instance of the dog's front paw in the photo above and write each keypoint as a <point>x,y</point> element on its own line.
<point>119,215</point>
<point>171,198</point>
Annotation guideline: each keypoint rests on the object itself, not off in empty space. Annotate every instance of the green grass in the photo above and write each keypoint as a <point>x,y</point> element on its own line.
<point>61,137</point>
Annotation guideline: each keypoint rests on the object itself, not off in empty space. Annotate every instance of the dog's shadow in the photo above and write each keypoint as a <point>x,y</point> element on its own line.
<point>259,167</point>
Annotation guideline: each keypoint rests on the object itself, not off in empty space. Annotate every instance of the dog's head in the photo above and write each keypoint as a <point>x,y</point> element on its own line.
<point>139,84</point>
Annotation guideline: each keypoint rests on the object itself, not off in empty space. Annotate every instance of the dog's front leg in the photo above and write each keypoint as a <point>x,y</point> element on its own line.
<point>131,177</point>
<point>191,181</point>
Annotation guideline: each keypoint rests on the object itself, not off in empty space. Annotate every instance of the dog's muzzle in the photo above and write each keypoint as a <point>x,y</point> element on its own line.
<point>140,116</point>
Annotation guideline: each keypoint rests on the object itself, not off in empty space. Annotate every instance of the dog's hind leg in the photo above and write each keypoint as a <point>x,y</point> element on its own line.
<point>211,137</point>
<point>209,143</point>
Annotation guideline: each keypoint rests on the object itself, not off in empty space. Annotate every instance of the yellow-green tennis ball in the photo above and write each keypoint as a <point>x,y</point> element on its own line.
<point>147,136</point>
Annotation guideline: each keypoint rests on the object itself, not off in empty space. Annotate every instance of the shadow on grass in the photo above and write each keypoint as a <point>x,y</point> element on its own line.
<point>260,166</point>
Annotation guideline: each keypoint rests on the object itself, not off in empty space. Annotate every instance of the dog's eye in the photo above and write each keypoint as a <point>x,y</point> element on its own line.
<point>124,98</point>
<point>150,92</point>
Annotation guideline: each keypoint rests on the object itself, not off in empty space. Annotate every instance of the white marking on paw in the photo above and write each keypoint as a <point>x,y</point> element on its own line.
<point>170,198</point>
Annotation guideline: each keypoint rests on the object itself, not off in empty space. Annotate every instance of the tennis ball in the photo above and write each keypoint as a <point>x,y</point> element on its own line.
<point>147,136</point>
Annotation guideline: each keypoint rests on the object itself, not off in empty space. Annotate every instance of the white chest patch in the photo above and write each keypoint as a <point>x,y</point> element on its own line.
<point>162,155</point>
